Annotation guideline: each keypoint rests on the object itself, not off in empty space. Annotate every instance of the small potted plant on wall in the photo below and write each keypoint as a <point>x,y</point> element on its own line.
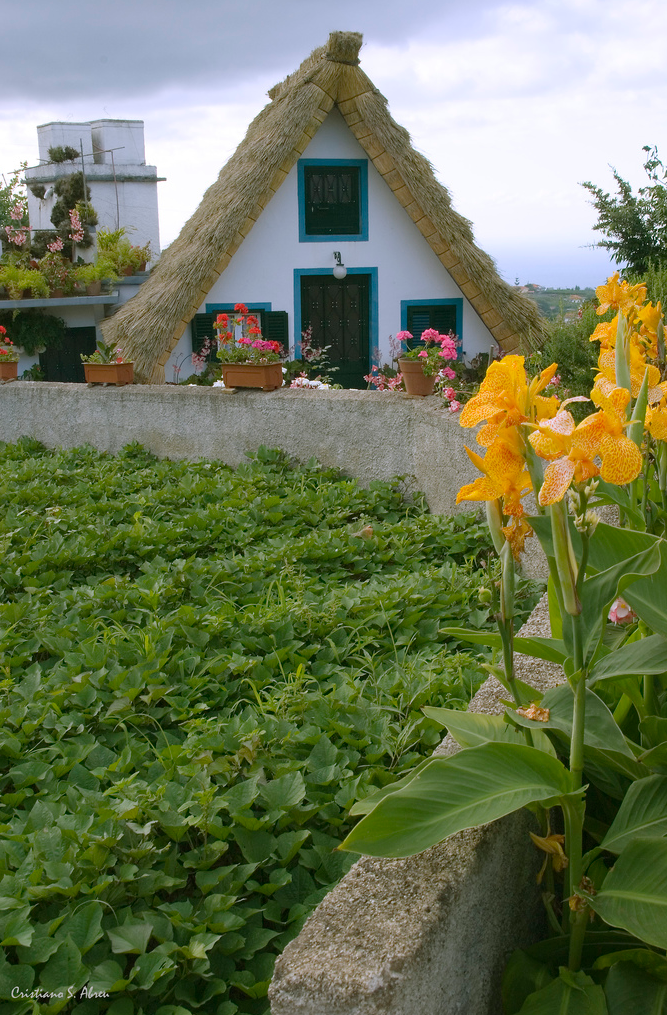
<point>248,360</point>
<point>420,366</point>
<point>107,366</point>
<point>9,357</point>
<point>93,275</point>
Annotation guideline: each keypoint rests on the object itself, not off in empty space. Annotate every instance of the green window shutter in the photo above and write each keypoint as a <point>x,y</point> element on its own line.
<point>201,328</point>
<point>332,200</point>
<point>442,318</point>
<point>276,327</point>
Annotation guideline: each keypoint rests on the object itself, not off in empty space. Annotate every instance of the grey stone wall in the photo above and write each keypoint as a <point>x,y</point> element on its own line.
<point>368,434</point>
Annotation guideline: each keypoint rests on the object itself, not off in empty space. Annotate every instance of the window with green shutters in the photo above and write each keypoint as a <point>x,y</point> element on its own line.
<point>332,200</point>
<point>444,315</point>
<point>274,325</point>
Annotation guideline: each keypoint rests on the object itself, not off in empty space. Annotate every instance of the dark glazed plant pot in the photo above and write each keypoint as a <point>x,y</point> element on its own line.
<point>109,373</point>
<point>415,381</point>
<point>267,376</point>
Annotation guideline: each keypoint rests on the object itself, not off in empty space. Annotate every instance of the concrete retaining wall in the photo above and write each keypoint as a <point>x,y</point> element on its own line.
<point>368,434</point>
<point>428,935</point>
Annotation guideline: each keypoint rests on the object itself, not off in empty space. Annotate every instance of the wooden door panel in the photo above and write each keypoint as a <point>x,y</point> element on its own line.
<point>338,311</point>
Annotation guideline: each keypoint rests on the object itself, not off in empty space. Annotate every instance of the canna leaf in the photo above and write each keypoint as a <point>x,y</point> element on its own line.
<point>634,894</point>
<point>648,655</point>
<point>550,649</point>
<point>642,813</point>
<point>449,794</point>
<point>569,994</point>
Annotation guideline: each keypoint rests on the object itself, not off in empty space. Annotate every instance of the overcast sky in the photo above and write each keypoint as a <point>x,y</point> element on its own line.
<point>515,104</point>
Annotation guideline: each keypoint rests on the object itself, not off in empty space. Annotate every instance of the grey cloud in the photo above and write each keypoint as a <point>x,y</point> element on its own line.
<point>143,46</point>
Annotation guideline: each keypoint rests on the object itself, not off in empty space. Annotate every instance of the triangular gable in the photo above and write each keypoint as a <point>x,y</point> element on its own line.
<point>148,327</point>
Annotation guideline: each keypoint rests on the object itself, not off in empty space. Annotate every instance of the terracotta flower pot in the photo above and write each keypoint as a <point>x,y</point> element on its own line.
<point>57,294</point>
<point>94,288</point>
<point>109,373</point>
<point>267,376</point>
<point>415,381</point>
<point>8,371</point>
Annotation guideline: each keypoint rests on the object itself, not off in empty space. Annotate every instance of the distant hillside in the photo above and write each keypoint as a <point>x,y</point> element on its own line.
<point>557,302</point>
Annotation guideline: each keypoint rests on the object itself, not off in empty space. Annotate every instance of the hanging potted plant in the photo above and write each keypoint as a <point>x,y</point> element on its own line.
<point>420,366</point>
<point>107,366</point>
<point>9,357</point>
<point>248,361</point>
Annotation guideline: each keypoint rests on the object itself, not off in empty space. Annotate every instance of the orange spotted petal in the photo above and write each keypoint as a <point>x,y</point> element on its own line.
<point>621,459</point>
<point>557,478</point>
<point>482,489</point>
<point>479,407</point>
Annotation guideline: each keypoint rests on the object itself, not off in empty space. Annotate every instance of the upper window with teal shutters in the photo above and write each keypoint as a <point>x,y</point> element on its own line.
<point>333,199</point>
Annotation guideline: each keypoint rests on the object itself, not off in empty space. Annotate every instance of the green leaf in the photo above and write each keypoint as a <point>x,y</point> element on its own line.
<point>648,596</point>
<point>367,803</point>
<point>283,793</point>
<point>629,989</point>
<point>523,975</point>
<point>107,978</point>
<point>598,592</point>
<point>601,730</point>
<point>653,962</point>
<point>570,994</point>
<point>130,938</point>
<point>551,649</point>
<point>634,894</point>
<point>64,968</point>
<point>643,813</point>
<point>646,656</point>
<point>470,729</point>
<point>450,794</point>
<point>84,926</point>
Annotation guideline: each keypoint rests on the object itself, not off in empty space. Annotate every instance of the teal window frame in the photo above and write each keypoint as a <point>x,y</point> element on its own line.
<point>362,235</point>
<point>457,303</point>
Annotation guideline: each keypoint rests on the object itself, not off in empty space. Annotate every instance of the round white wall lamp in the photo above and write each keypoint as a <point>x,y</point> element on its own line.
<point>340,271</point>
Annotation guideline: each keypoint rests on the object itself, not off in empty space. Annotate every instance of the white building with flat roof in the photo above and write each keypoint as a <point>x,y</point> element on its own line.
<point>123,189</point>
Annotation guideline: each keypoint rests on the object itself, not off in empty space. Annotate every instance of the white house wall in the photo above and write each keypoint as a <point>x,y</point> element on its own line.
<point>262,270</point>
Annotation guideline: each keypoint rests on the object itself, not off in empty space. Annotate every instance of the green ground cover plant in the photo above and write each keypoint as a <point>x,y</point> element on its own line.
<point>201,670</point>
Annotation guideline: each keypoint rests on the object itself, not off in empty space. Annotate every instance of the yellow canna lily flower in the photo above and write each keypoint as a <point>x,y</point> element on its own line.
<point>504,474</point>
<point>650,316</point>
<point>638,367</point>
<point>619,295</point>
<point>605,333</point>
<point>505,399</point>
<point>572,449</point>
<point>656,420</point>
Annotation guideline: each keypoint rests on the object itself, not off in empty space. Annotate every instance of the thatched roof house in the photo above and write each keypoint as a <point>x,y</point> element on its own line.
<point>328,85</point>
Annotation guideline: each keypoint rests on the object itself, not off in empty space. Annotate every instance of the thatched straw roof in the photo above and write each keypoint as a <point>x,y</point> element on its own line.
<point>149,326</point>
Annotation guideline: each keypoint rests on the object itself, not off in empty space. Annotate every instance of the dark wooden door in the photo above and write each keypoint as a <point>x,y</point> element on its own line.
<point>64,362</point>
<point>338,311</point>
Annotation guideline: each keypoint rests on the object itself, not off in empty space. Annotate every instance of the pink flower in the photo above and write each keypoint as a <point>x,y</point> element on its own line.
<point>450,393</point>
<point>56,245</point>
<point>16,212</point>
<point>77,229</point>
<point>454,406</point>
<point>430,335</point>
<point>403,336</point>
<point>423,353</point>
<point>448,373</point>
<point>621,613</point>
